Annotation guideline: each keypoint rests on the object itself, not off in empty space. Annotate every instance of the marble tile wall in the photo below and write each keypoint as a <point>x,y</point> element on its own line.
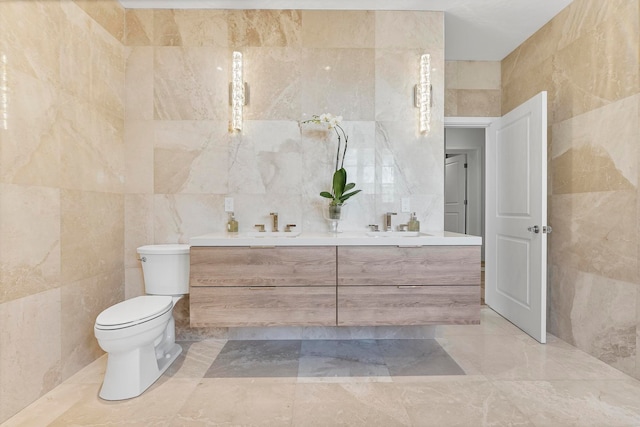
<point>472,89</point>
<point>181,161</point>
<point>61,188</point>
<point>587,59</point>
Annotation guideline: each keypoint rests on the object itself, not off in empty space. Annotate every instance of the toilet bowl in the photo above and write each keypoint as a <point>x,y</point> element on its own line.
<point>139,334</point>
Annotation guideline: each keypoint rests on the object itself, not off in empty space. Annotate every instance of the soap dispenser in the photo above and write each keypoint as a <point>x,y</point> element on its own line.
<point>413,224</point>
<point>232,224</point>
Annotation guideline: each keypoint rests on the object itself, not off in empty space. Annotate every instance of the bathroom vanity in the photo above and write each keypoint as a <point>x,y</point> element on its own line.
<point>345,279</point>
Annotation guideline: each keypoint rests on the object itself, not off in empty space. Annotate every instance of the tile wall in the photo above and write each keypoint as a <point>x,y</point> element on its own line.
<point>61,188</point>
<point>587,59</point>
<point>472,89</point>
<point>181,160</point>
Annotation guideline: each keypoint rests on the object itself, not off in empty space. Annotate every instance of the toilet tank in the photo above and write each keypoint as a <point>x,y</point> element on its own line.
<point>165,269</point>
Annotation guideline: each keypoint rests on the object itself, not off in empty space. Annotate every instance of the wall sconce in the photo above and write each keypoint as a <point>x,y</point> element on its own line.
<point>422,94</point>
<point>238,92</point>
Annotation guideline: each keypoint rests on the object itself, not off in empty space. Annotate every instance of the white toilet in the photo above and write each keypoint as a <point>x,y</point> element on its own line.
<point>139,334</point>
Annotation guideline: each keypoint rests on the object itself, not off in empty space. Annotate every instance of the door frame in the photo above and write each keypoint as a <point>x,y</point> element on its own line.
<point>476,123</point>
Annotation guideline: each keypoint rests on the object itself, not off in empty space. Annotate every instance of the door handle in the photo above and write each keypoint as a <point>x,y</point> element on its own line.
<point>535,229</point>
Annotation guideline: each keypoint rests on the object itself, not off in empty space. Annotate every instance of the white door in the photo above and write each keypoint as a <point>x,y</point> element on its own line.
<point>516,228</point>
<point>455,193</point>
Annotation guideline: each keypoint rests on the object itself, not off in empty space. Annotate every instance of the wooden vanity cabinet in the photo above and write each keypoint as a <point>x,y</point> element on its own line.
<point>273,286</point>
<point>329,286</point>
<point>388,285</point>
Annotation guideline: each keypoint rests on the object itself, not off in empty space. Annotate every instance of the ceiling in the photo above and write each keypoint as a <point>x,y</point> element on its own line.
<point>475,30</point>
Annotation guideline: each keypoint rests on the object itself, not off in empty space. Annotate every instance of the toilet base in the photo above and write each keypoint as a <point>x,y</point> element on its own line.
<point>130,374</point>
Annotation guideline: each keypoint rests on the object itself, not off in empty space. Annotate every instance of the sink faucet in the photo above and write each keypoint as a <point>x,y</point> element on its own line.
<point>387,221</point>
<point>275,220</point>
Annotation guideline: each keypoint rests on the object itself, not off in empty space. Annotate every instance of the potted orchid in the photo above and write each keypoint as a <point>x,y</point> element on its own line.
<point>340,189</point>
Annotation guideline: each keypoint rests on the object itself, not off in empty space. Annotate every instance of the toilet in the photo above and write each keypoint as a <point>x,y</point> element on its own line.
<point>139,334</point>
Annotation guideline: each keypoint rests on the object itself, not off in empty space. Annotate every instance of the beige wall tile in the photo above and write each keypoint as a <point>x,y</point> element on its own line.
<point>409,30</point>
<point>133,283</point>
<point>181,216</point>
<point>92,234</point>
<point>81,303</point>
<point>343,82</point>
<point>274,75</point>
<point>139,139</point>
<point>596,233</point>
<point>91,153</point>
<point>173,27</point>
<point>31,34</point>
<point>396,74</point>
<point>30,152</point>
<point>338,29</point>
<point>474,75</point>
<point>108,13</point>
<point>191,83</point>
<point>190,157</point>
<point>478,103</point>
<point>30,243</point>
<point>597,151</point>
<point>31,328</point>
<point>595,314</point>
<point>139,25</point>
<point>139,82</point>
<point>265,28</point>
<point>138,210</point>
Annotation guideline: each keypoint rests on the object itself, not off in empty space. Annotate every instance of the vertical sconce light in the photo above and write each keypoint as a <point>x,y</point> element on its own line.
<point>238,92</point>
<point>422,94</point>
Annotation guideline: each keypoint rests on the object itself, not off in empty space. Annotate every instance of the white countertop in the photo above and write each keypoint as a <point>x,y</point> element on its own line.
<point>340,239</point>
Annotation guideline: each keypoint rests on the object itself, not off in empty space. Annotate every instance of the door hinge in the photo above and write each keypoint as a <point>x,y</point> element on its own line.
<point>465,202</point>
<point>465,165</point>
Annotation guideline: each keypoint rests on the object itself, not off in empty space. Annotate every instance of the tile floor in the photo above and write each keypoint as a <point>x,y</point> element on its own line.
<point>495,376</point>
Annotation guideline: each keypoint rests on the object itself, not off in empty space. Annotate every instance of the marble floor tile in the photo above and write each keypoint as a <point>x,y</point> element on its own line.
<point>228,402</point>
<point>329,359</point>
<point>608,403</point>
<point>458,402</point>
<point>348,404</point>
<point>521,357</point>
<point>237,359</point>
<point>417,358</point>
<point>196,358</point>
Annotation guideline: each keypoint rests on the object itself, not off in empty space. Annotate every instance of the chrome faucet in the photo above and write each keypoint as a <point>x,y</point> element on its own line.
<point>387,221</point>
<point>275,220</point>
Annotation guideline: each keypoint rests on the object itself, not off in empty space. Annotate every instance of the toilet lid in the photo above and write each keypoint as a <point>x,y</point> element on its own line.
<point>134,311</point>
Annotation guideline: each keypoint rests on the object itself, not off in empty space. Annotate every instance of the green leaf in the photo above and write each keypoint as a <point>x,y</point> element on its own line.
<point>349,186</point>
<point>339,181</point>
<point>326,194</point>
<point>344,197</point>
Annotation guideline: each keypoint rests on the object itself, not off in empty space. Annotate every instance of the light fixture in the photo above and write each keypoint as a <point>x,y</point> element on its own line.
<point>238,92</point>
<point>422,94</point>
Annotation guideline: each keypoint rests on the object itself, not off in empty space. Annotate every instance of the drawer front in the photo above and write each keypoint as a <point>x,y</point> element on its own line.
<point>263,306</point>
<point>274,266</point>
<point>392,265</point>
<point>407,305</point>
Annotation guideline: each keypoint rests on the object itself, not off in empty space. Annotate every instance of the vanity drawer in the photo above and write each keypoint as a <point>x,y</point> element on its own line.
<point>272,266</point>
<point>263,306</point>
<point>424,265</point>
<point>408,305</point>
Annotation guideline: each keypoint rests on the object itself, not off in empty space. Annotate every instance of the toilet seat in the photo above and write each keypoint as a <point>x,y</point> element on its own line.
<point>134,311</point>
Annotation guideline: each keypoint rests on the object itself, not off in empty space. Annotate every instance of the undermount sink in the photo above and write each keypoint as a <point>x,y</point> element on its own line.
<point>395,234</point>
<point>273,233</point>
